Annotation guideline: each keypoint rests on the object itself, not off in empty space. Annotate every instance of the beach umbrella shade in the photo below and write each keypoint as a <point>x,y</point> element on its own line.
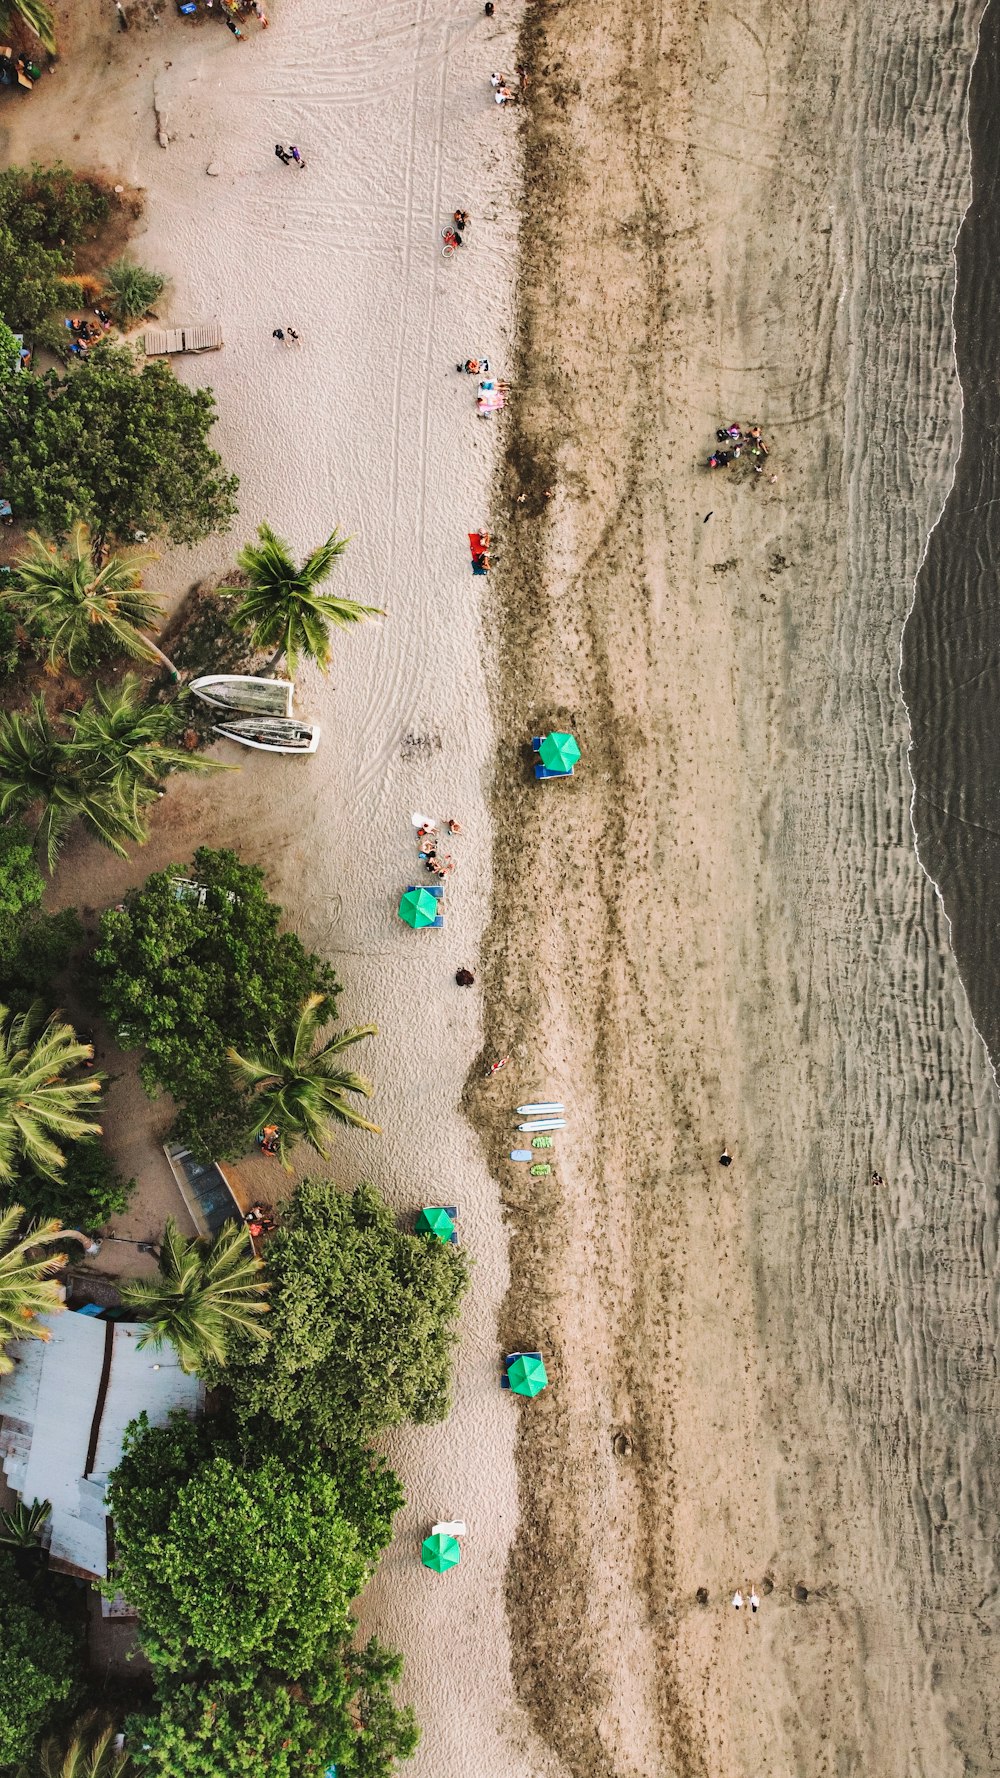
<point>558,752</point>
<point>440,1553</point>
<point>418,907</point>
<point>435,1221</point>
<point>526,1374</point>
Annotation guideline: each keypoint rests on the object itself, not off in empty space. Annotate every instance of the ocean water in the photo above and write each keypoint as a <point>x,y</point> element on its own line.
<point>951,645</point>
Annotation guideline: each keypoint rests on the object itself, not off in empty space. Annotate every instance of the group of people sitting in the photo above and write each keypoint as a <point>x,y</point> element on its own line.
<point>439,864</point>
<point>736,441</point>
<point>259,1221</point>
<point>85,332</point>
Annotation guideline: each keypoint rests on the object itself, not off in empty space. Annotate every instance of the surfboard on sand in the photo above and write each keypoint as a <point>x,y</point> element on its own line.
<point>530,1110</point>
<point>545,1123</point>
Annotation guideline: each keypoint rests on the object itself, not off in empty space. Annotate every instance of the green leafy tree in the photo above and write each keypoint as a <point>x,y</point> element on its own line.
<point>125,451</point>
<point>190,976</point>
<point>103,766</point>
<point>41,1663</point>
<point>21,883</point>
<point>362,1324</point>
<point>27,1285</point>
<point>131,289</point>
<point>41,1104</point>
<point>10,351</point>
<point>282,608</point>
<point>233,1559</point>
<point>246,1726</point>
<point>386,1733</point>
<point>206,1291</point>
<point>44,213</point>
<point>87,1752</point>
<point>88,1192</point>
<point>301,1088</point>
<point>77,607</point>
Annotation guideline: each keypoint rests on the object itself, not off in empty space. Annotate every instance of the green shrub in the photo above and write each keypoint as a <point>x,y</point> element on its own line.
<point>187,980</point>
<point>362,1322</point>
<point>238,1560</point>
<point>125,451</point>
<point>88,1192</point>
<point>131,289</point>
<point>44,213</point>
<point>41,1665</point>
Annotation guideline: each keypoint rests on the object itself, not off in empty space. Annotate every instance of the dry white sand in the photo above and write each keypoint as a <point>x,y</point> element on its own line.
<point>368,426</point>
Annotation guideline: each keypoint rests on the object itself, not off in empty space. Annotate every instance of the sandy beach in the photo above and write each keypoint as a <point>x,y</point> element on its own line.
<point>782,1373</point>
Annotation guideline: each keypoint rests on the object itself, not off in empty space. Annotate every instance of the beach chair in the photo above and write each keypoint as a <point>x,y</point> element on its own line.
<point>439,921</point>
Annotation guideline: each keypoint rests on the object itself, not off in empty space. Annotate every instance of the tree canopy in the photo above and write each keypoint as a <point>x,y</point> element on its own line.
<point>189,981</point>
<point>40,1663</point>
<point>362,1321</point>
<point>123,450</point>
<point>231,1558</point>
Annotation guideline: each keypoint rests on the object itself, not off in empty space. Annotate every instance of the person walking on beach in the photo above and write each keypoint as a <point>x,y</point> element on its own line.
<point>754,1601</point>
<point>293,338</point>
<point>282,154</point>
<point>725,1158</point>
<point>297,158</point>
<point>278,333</point>
<point>737,1600</point>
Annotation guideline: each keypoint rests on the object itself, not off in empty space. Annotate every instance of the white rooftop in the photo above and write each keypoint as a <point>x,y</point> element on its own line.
<point>63,1413</point>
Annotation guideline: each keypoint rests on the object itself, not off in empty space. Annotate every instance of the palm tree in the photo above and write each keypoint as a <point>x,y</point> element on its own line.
<point>37,1101</point>
<point>36,15</point>
<point>66,597</point>
<point>300,1088</point>
<point>27,1287</point>
<point>88,1754</point>
<point>105,770</point>
<point>205,1292</point>
<point>282,608</point>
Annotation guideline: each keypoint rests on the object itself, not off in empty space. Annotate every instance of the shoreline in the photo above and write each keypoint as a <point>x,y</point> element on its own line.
<point>734,939</point>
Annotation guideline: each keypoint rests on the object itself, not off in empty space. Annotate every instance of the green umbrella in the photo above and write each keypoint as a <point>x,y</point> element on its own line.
<point>440,1552</point>
<point>526,1374</point>
<point>418,907</point>
<point>559,753</point>
<point>435,1221</point>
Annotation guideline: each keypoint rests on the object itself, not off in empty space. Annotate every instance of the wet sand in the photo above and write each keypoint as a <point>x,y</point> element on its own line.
<point>783,1372</point>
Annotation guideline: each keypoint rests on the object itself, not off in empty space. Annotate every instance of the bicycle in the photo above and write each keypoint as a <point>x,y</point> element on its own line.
<point>451,240</point>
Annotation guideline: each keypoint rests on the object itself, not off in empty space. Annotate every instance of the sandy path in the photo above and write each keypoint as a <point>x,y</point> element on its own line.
<point>367,426</point>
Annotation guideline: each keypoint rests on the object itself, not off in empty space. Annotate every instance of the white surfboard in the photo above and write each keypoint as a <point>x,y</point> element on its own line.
<point>545,1123</point>
<point>530,1110</point>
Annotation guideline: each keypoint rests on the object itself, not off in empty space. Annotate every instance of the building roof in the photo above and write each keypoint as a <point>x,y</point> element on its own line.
<point>63,1413</point>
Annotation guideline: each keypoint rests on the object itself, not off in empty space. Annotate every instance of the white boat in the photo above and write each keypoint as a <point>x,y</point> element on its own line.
<point>531,1110</point>
<point>545,1123</point>
<point>242,691</point>
<point>271,734</point>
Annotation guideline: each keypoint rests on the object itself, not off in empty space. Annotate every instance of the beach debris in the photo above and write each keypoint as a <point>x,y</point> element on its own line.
<point>621,1444</point>
<point>159,112</point>
<point>213,169</point>
<point>701,1596</point>
<point>439,1552</point>
<point>464,978</point>
<point>495,1067</point>
<point>800,1594</point>
<point>525,1373</point>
